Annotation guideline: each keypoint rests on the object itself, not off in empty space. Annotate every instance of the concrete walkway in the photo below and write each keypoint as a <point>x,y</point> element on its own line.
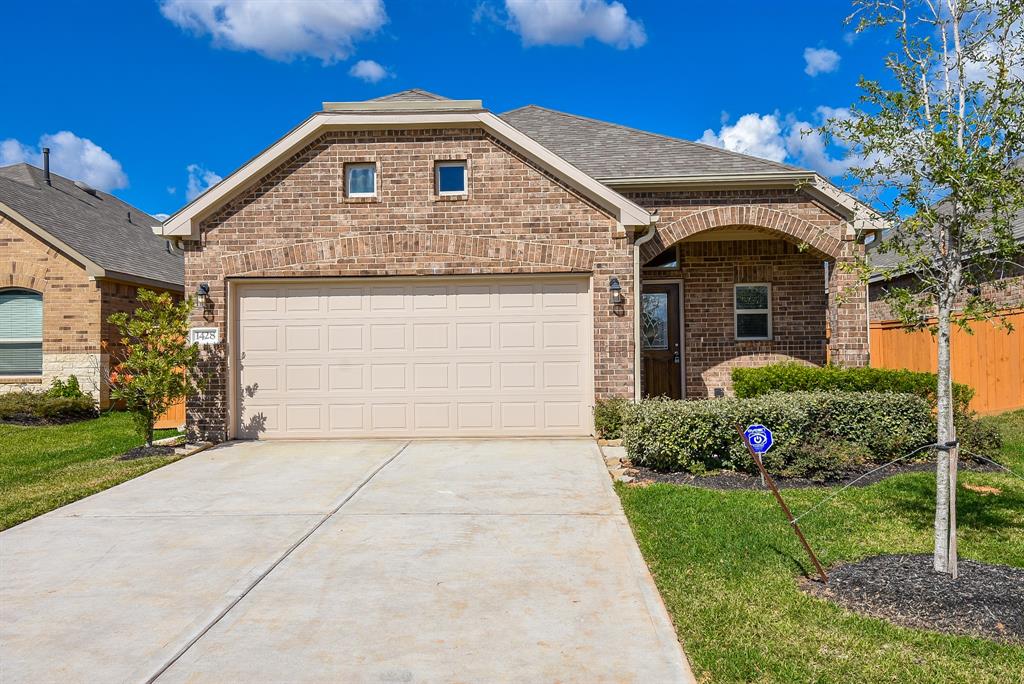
<point>371,561</point>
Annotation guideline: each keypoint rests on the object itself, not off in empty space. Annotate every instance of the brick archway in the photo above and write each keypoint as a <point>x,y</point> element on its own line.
<point>27,276</point>
<point>756,217</point>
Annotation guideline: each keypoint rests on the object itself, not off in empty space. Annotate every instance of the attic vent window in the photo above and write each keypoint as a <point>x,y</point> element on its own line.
<point>450,178</point>
<point>361,180</point>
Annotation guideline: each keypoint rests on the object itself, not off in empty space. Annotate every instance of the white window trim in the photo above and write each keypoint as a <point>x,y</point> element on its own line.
<point>360,165</point>
<point>464,165</point>
<point>736,311</point>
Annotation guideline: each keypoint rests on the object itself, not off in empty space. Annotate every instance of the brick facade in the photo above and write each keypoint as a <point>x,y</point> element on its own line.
<point>75,310</point>
<point>296,222</point>
<point>1006,293</point>
<point>798,237</point>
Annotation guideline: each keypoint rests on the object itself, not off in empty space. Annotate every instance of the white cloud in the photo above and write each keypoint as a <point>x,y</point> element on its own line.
<point>760,136</point>
<point>850,37</point>
<point>70,156</point>
<point>787,139</point>
<point>369,71</point>
<point>571,22</point>
<point>820,61</point>
<point>324,29</point>
<point>161,217</point>
<point>200,180</point>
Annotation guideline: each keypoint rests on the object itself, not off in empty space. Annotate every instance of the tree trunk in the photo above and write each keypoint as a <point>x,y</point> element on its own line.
<point>943,484</point>
<point>149,430</point>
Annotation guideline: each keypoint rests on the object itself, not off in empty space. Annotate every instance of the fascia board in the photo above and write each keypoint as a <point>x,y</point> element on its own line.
<point>91,267</point>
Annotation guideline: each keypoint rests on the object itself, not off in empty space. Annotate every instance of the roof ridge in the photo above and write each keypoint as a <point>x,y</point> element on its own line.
<point>662,136</point>
<point>418,91</point>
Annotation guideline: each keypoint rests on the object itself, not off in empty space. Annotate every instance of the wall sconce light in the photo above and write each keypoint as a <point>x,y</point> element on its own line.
<point>616,290</point>
<point>202,294</point>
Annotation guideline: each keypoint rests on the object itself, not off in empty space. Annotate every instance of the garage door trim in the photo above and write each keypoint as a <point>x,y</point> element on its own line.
<point>237,286</point>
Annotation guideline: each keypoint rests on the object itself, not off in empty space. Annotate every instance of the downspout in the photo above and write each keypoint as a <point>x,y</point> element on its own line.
<point>646,237</point>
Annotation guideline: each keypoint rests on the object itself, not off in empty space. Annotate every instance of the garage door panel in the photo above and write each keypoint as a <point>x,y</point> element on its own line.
<point>434,357</point>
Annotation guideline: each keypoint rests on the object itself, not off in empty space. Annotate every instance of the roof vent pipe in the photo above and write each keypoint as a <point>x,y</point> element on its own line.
<point>46,165</point>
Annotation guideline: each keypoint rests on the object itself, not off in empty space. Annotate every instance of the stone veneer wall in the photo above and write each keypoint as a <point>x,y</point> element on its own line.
<point>296,222</point>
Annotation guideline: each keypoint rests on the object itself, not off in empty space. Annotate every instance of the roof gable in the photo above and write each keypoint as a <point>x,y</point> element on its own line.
<point>110,234</point>
<point>607,150</point>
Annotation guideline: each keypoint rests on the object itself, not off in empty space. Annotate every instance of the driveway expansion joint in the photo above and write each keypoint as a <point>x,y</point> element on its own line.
<point>263,575</point>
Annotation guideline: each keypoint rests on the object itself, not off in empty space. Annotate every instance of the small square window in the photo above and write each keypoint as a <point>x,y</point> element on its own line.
<point>361,180</point>
<point>753,311</point>
<point>450,178</point>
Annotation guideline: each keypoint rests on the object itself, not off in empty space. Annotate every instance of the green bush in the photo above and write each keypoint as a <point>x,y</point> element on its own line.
<point>608,417</point>
<point>821,460</point>
<point>68,389</point>
<point>698,436</point>
<point>796,377</point>
<point>41,407</point>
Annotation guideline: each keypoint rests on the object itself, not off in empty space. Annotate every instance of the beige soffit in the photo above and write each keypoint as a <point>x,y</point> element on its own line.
<point>862,217</point>
<point>91,267</point>
<point>405,106</point>
<point>185,223</point>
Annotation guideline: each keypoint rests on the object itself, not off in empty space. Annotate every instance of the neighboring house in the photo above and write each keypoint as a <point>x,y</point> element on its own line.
<point>419,266</point>
<point>69,257</point>
<point>990,358</point>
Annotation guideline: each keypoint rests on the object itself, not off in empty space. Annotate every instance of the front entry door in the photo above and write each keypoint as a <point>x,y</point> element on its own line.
<point>659,340</point>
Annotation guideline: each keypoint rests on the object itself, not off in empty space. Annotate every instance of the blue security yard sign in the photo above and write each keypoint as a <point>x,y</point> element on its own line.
<point>760,438</point>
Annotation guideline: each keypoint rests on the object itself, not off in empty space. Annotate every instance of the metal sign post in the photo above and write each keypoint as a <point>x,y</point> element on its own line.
<point>755,434</point>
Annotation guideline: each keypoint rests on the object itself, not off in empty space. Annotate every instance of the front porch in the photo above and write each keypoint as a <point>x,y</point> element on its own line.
<point>740,296</point>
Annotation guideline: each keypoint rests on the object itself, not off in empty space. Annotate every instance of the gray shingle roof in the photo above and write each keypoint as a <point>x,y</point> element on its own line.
<point>411,95</point>
<point>113,234</point>
<point>882,262</point>
<point>605,150</point>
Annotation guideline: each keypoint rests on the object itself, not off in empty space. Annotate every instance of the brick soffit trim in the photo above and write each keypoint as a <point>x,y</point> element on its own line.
<point>528,253</point>
<point>764,218</point>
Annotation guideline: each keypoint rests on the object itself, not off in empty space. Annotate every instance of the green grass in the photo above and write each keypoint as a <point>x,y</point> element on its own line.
<point>727,566</point>
<point>42,468</point>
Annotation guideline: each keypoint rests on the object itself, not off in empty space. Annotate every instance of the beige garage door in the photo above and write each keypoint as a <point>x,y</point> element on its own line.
<point>419,357</point>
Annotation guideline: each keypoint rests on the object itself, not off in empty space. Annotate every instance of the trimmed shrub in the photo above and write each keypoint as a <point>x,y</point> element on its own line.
<point>797,377</point>
<point>608,417</point>
<point>41,407</point>
<point>698,436</point>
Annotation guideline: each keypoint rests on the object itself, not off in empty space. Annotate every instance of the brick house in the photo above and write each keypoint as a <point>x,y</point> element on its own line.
<point>420,266</point>
<point>69,257</point>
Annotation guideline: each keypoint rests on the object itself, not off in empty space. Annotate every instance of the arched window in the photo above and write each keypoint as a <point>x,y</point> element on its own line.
<point>21,332</point>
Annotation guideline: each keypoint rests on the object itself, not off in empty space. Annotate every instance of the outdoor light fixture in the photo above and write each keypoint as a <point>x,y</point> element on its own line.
<point>616,290</point>
<point>202,293</point>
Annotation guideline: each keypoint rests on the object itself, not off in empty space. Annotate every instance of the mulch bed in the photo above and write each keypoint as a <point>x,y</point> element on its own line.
<point>144,452</point>
<point>985,600</point>
<point>732,480</point>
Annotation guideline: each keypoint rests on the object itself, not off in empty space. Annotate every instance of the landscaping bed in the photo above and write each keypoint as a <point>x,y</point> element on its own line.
<point>730,570</point>
<point>725,480</point>
<point>985,600</point>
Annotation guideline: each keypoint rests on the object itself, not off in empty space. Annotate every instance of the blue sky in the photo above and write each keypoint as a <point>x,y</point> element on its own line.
<point>155,100</point>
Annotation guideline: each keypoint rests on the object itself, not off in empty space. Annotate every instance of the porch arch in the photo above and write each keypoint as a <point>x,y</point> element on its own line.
<point>756,217</point>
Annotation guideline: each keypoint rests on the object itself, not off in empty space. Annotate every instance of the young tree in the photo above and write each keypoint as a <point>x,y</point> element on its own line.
<point>940,142</point>
<point>156,365</point>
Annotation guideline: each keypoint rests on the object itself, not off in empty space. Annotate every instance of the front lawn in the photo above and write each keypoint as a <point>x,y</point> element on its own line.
<point>727,566</point>
<point>45,467</point>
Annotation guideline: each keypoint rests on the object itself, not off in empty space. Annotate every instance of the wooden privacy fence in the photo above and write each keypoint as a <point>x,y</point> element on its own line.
<point>991,360</point>
<point>173,417</point>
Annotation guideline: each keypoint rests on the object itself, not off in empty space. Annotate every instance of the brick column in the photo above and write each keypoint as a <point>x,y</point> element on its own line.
<point>847,308</point>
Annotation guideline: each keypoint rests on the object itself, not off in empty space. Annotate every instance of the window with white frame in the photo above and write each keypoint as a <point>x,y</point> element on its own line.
<point>361,180</point>
<point>21,333</point>
<point>450,178</point>
<point>753,306</point>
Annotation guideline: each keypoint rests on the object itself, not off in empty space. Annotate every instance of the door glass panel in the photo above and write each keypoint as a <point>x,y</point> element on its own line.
<point>654,321</point>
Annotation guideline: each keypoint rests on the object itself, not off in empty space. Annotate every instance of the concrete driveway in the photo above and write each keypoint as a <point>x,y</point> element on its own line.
<point>371,561</point>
